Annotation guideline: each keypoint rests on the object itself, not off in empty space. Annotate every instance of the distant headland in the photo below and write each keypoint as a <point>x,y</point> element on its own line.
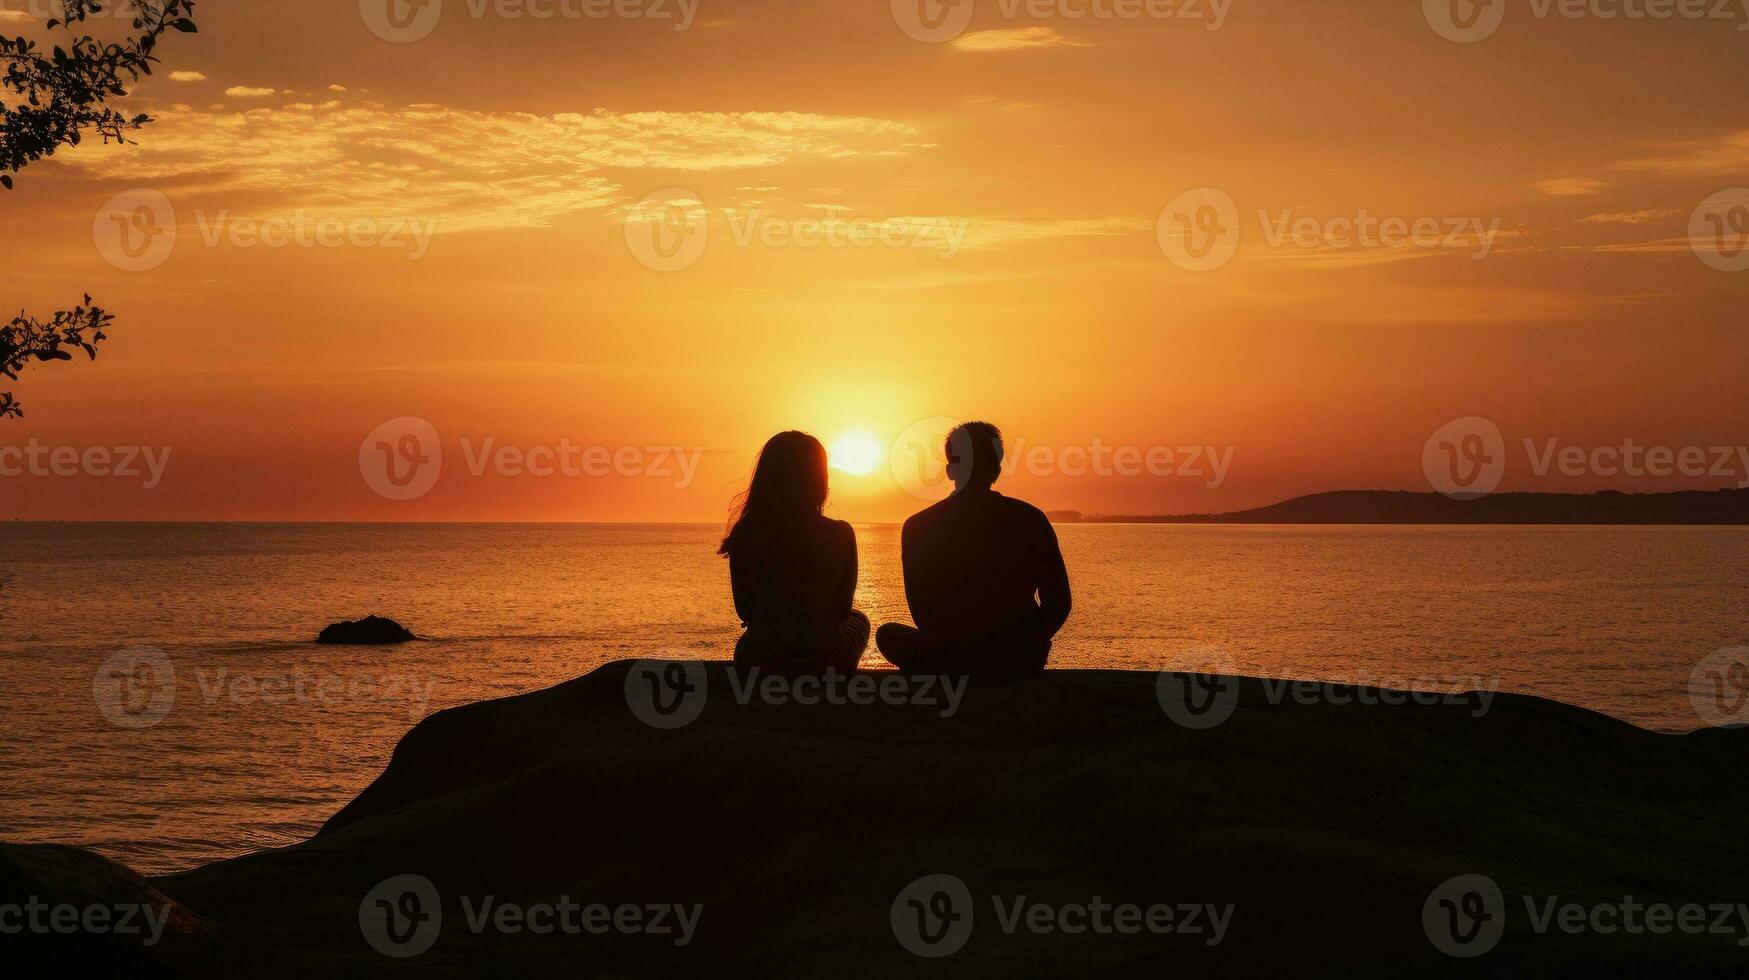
<point>1728,506</point>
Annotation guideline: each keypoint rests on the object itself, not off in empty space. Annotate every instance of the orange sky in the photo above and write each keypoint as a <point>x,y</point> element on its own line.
<point>1019,171</point>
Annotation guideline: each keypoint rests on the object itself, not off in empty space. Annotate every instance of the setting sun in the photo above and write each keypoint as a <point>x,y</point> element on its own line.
<point>856,453</point>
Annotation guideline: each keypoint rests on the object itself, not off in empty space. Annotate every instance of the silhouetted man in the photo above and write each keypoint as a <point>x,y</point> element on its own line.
<point>983,575</point>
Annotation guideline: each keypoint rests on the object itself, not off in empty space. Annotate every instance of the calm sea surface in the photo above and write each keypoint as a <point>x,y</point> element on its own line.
<point>1614,619</point>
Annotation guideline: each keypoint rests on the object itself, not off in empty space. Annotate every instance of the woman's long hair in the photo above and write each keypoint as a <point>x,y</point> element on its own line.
<point>789,483</point>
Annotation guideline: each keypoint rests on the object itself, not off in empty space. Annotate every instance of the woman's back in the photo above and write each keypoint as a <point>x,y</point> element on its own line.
<point>793,581</point>
<point>792,570</point>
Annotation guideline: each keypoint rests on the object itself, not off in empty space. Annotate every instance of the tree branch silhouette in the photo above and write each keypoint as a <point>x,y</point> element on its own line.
<point>53,100</point>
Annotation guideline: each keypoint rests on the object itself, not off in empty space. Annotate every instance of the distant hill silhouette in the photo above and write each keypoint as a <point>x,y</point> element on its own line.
<point>1729,506</point>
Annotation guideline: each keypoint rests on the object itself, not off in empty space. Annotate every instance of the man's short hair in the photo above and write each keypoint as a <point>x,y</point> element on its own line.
<point>980,444</point>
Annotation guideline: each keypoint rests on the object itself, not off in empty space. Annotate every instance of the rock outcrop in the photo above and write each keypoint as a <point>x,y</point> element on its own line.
<point>67,912</point>
<point>799,830</point>
<point>369,631</point>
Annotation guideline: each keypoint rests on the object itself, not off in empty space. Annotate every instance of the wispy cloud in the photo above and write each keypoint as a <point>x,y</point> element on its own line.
<point>1629,217</point>
<point>1570,186</point>
<point>1725,156</point>
<point>1000,232</point>
<point>1000,105</point>
<point>1721,156</point>
<point>1016,39</point>
<point>1327,254</point>
<point>248,92</point>
<point>187,76</point>
<point>1695,158</point>
<point>1660,245</point>
<point>472,169</point>
<point>946,278</point>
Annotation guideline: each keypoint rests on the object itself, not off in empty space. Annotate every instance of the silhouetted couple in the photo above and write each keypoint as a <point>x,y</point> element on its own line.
<point>983,574</point>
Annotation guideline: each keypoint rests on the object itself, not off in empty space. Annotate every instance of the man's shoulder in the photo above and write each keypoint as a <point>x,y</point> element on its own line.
<point>928,515</point>
<point>1020,510</point>
<point>1010,508</point>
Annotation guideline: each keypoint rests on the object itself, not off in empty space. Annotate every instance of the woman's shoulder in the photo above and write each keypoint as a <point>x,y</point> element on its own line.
<point>837,531</point>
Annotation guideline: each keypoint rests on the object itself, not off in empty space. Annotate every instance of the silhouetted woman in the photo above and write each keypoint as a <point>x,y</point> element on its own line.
<point>793,570</point>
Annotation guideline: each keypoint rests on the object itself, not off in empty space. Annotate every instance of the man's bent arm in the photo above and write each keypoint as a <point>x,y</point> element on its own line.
<point>916,587</point>
<point>1053,591</point>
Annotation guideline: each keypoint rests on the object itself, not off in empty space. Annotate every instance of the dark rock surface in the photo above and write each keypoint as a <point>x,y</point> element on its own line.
<point>1327,826</point>
<point>369,631</point>
<point>119,924</point>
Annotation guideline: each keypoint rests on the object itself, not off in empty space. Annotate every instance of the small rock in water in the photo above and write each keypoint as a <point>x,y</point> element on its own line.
<point>369,631</point>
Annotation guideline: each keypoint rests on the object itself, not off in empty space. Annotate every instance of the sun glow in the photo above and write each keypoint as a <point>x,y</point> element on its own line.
<point>856,453</point>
